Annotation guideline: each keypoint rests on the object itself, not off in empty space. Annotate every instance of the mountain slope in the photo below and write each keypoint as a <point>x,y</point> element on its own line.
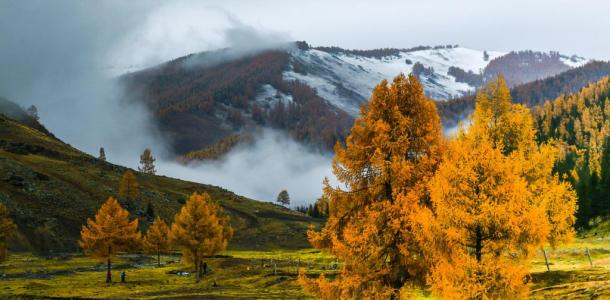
<point>532,93</point>
<point>312,93</point>
<point>51,188</point>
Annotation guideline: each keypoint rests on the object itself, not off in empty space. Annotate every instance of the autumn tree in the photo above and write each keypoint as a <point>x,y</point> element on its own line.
<point>200,228</point>
<point>391,152</point>
<point>111,232</point>
<point>102,154</point>
<point>323,206</point>
<point>495,201</point>
<point>128,188</point>
<point>7,229</point>
<point>147,162</point>
<point>283,198</point>
<point>156,239</point>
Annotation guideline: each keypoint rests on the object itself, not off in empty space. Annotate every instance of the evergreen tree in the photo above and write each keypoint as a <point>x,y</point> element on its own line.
<point>110,232</point>
<point>283,198</point>
<point>32,111</point>
<point>102,156</point>
<point>147,162</point>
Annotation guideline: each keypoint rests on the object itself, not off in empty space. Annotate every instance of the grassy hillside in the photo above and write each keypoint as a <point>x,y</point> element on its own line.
<point>51,188</point>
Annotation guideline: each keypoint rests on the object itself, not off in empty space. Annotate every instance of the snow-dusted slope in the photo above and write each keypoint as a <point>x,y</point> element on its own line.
<point>346,79</point>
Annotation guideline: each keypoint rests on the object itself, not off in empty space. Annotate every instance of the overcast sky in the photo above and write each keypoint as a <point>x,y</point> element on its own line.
<point>60,55</point>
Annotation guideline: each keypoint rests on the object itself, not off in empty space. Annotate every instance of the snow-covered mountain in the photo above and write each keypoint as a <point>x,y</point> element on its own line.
<point>346,78</point>
<point>311,93</point>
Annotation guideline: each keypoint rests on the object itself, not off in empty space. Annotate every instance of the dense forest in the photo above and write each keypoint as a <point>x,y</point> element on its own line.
<point>524,66</point>
<point>222,99</point>
<point>580,126</point>
<point>533,93</point>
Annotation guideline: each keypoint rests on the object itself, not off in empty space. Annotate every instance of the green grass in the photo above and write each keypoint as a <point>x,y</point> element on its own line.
<point>238,274</point>
<point>249,274</point>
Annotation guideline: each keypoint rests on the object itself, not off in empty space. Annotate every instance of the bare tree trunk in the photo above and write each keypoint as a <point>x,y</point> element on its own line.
<point>546,260</point>
<point>108,274</point>
<point>158,258</point>
<point>589,256</point>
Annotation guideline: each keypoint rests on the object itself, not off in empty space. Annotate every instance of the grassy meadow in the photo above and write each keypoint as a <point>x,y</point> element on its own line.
<point>242,274</point>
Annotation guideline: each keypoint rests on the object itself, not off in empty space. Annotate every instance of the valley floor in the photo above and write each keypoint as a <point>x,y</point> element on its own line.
<point>252,275</point>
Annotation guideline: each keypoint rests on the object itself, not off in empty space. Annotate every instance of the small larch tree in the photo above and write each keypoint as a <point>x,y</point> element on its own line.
<point>283,198</point>
<point>147,162</point>
<point>7,229</point>
<point>109,233</point>
<point>392,150</point>
<point>156,239</point>
<point>129,188</point>
<point>200,229</point>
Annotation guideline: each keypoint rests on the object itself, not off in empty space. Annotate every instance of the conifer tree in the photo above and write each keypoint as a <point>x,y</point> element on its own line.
<point>7,229</point>
<point>147,162</point>
<point>495,201</point>
<point>129,188</point>
<point>33,112</point>
<point>200,229</point>
<point>102,156</point>
<point>392,150</point>
<point>156,239</point>
<point>283,198</point>
<point>109,233</point>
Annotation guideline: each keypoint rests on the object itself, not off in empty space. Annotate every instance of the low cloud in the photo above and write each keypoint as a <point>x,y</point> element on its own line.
<point>63,56</point>
<point>275,162</point>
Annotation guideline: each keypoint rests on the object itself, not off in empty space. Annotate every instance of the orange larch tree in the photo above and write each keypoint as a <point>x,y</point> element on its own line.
<point>392,150</point>
<point>156,239</point>
<point>128,187</point>
<point>495,200</point>
<point>200,229</point>
<point>7,229</point>
<point>111,232</point>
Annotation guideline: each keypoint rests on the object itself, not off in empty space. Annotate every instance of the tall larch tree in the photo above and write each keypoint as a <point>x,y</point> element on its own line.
<point>147,162</point>
<point>200,229</point>
<point>391,152</point>
<point>129,188</point>
<point>495,201</point>
<point>157,239</point>
<point>109,233</point>
<point>7,229</point>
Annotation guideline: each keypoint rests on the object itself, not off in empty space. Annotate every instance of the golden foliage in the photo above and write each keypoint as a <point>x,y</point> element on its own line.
<point>156,239</point>
<point>110,232</point>
<point>200,229</point>
<point>128,188</point>
<point>495,200</point>
<point>392,150</point>
<point>7,229</point>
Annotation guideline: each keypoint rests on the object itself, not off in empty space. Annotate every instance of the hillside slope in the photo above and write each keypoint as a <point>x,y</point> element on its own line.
<point>311,93</point>
<point>51,188</point>
<point>532,93</point>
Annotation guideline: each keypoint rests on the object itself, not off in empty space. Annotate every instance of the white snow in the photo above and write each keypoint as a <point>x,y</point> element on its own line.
<point>269,96</point>
<point>347,80</point>
<point>573,61</point>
